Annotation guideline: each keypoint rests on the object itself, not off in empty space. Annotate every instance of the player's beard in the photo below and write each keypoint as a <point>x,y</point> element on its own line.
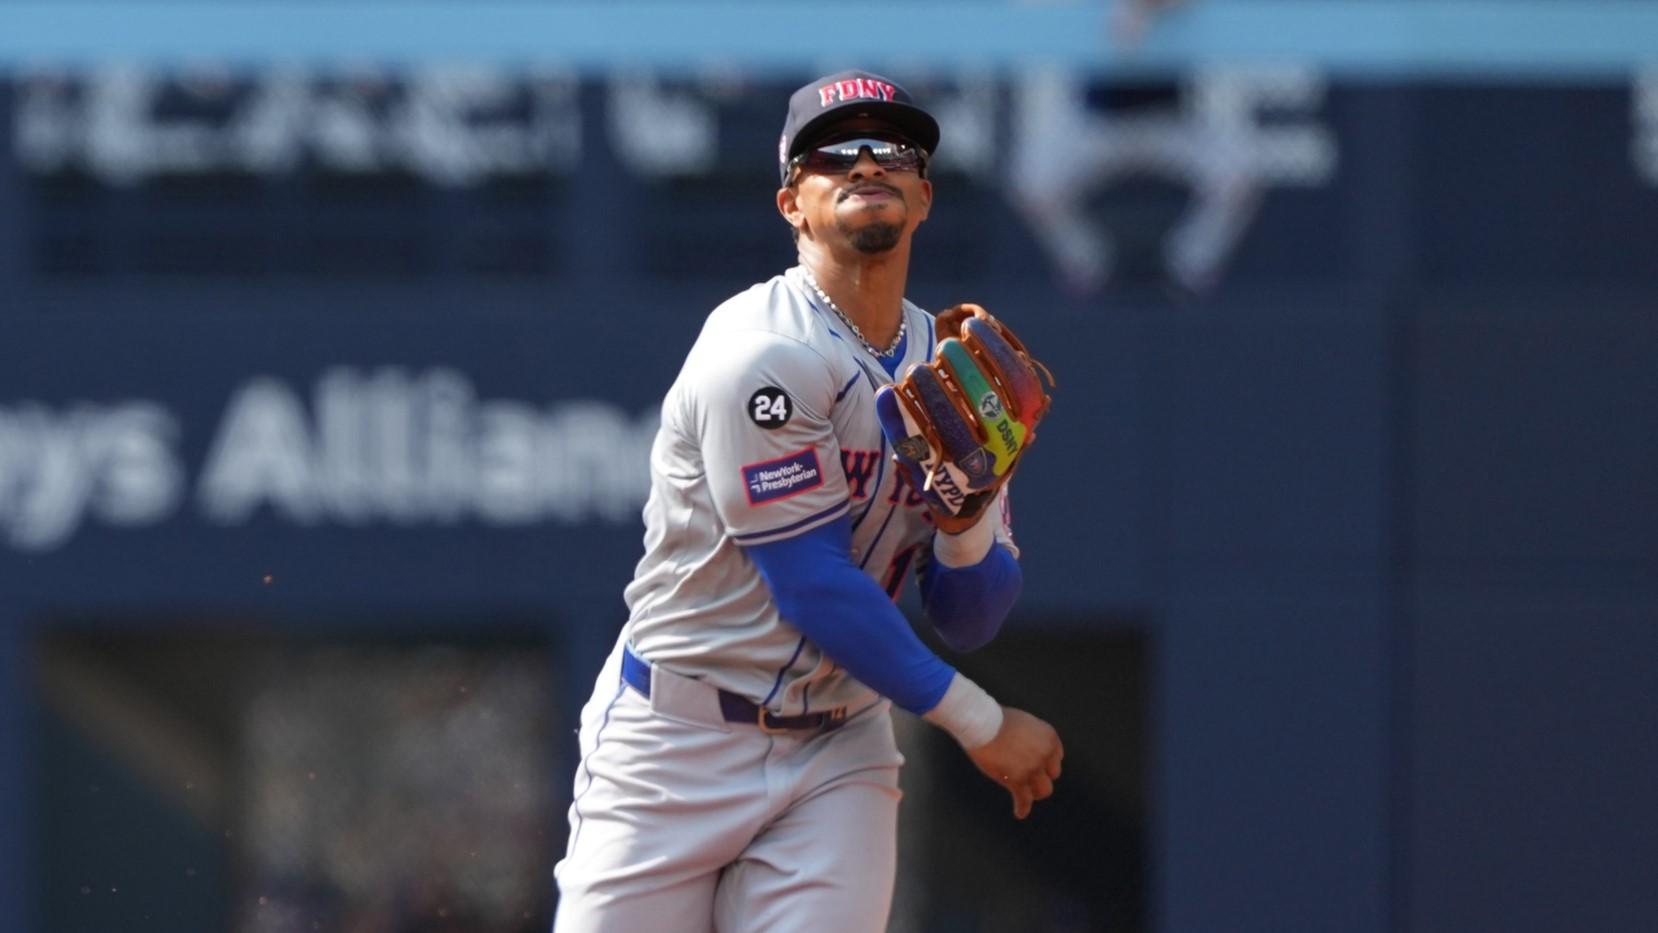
<point>877,237</point>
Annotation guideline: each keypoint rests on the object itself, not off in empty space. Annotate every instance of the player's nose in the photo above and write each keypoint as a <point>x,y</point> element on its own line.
<point>866,166</point>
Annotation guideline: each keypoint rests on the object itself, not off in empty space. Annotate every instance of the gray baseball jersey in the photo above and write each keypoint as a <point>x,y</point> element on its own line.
<point>769,431</point>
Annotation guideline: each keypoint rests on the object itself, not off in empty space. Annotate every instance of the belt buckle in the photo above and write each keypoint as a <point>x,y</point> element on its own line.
<point>830,719</point>
<point>767,727</point>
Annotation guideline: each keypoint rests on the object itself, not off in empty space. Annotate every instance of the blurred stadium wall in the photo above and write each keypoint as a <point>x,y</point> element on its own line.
<point>331,336</point>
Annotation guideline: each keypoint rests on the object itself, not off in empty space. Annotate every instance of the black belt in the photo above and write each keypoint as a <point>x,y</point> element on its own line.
<point>636,673</point>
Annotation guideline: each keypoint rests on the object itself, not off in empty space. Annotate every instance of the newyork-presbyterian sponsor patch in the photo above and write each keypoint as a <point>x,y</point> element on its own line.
<point>783,477</point>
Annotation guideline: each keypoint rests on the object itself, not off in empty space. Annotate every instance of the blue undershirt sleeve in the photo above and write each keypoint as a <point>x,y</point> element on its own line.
<point>968,604</point>
<point>843,611</point>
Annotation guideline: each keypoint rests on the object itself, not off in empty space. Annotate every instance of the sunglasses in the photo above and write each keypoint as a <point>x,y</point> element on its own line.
<point>892,155</point>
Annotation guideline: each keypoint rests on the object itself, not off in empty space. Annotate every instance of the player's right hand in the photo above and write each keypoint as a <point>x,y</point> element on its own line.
<point>1024,757</point>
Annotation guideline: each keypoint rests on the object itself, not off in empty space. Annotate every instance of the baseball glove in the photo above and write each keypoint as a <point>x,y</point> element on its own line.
<point>959,424</point>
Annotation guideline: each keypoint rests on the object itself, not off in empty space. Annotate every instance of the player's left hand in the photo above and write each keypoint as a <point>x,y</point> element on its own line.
<point>960,423</point>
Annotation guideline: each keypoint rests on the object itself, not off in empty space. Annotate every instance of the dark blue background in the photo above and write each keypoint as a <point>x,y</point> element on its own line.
<point>1386,504</point>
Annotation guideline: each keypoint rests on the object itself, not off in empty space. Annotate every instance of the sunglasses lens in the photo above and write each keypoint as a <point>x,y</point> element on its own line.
<point>840,156</point>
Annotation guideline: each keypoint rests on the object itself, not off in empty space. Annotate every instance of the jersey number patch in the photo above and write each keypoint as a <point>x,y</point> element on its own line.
<point>770,408</point>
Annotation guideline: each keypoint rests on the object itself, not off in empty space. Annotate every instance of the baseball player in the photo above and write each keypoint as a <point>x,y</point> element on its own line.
<point>738,770</point>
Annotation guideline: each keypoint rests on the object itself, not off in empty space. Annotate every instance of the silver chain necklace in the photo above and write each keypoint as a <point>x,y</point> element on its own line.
<point>892,348</point>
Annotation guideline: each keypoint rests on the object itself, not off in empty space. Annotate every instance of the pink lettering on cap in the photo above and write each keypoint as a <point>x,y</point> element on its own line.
<point>855,89</point>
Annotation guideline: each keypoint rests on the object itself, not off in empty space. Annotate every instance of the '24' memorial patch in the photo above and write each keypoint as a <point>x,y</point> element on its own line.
<point>783,477</point>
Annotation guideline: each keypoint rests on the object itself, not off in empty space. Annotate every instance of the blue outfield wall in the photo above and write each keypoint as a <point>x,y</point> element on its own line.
<point>1254,559</point>
<point>1381,500</point>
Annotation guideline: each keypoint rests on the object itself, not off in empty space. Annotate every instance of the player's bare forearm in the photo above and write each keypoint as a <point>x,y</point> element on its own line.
<point>1024,757</point>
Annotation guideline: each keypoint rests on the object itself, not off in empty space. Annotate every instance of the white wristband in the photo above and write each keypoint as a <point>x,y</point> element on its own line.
<point>967,712</point>
<point>969,547</point>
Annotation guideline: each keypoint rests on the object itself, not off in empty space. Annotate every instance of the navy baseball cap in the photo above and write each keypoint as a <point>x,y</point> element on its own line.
<point>846,94</point>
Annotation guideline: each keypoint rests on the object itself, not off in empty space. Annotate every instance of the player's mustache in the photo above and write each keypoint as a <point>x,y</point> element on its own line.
<point>884,186</point>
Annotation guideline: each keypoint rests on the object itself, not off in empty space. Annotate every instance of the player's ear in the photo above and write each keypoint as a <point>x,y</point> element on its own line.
<point>788,204</point>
